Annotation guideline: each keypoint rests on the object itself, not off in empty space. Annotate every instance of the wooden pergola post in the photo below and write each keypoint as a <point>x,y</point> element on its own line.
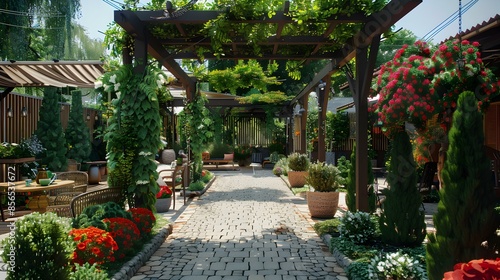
<point>322,94</point>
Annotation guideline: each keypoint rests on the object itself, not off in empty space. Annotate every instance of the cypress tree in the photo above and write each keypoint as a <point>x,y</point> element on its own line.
<point>77,133</point>
<point>402,222</point>
<point>350,197</point>
<point>465,212</point>
<point>50,132</point>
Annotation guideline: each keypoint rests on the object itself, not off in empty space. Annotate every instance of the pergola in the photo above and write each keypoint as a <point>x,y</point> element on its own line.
<point>143,27</point>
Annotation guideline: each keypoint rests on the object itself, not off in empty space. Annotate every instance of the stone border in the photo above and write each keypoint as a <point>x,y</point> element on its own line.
<point>130,268</point>
<point>342,260</point>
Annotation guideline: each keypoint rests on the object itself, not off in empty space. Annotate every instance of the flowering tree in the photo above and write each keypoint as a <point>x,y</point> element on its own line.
<point>421,82</point>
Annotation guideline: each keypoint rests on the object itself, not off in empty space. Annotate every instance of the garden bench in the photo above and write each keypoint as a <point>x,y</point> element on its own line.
<point>228,159</point>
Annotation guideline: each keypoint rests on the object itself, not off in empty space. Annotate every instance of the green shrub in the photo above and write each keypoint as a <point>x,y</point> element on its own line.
<point>344,165</point>
<point>357,227</point>
<point>206,176</point>
<point>323,177</point>
<point>359,271</point>
<point>298,162</point>
<point>39,248</point>
<point>196,186</point>
<point>327,227</point>
<point>87,272</point>
<point>283,165</point>
<point>93,215</point>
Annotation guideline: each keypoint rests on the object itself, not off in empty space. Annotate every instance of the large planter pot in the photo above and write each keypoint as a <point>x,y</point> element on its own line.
<point>244,162</point>
<point>297,179</point>
<point>163,204</point>
<point>322,204</point>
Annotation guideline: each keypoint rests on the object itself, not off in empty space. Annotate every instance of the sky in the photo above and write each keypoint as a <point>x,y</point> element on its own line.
<point>96,15</point>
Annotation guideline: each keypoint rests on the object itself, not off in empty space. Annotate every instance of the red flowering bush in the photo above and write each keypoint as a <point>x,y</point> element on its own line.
<point>475,269</point>
<point>125,233</point>
<point>143,219</point>
<point>93,245</point>
<point>164,192</point>
<point>420,83</point>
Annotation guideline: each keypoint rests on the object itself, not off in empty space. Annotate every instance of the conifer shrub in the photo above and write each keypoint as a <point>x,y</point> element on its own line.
<point>402,222</point>
<point>464,219</point>
<point>39,248</point>
<point>50,133</point>
<point>77,133</point>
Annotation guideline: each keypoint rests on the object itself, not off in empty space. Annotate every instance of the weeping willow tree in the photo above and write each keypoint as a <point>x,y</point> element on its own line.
<point>37,29</point>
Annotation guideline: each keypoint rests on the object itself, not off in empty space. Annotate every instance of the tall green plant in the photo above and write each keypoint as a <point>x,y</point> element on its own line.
<point>50,132</point>
<point>402,222</point>
<point>350,197</point>
<point>133,135</point>
<point>465,212</point>
<point>196,130</point>
<point>77,133</point>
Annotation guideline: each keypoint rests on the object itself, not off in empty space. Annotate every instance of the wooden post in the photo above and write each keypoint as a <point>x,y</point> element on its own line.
<point>322,94</point>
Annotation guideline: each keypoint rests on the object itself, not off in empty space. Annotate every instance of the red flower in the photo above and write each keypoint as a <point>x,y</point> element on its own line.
<point>165,192</point>
<point>125,233</point>
<point>94,246</point>
<point>475,269</point>
<point>144,219</point>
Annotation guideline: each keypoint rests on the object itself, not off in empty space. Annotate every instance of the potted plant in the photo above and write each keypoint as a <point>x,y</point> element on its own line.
<point>163,199</point>
<point>325,180</point>
<point>242,154</point>
<point>297,165</point>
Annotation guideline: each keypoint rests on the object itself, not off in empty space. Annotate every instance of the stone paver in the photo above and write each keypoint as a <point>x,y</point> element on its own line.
<point>244,227</point>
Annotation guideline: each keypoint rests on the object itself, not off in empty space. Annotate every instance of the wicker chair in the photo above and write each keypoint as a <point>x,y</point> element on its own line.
<point>82,201</point>
<point>60,210</point>
<point>63,196</point>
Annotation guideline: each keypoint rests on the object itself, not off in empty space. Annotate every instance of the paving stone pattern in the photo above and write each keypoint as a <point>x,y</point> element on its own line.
<point>243,227</point>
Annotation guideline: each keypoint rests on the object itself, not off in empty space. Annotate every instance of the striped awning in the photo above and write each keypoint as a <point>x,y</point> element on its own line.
<point>81,74</point>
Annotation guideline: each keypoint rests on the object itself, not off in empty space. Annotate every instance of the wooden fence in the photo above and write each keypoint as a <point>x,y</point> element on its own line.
<point>19,116</point>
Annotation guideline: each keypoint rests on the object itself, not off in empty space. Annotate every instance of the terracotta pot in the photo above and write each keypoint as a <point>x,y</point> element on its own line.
<point>322,204</point>
<point>297,179</point>
<point>163,204</point>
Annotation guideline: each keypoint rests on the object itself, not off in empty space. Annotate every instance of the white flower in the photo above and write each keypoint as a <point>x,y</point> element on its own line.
<point>143,153</point>
<point>200,127</point>
<point>142,182</point>
<point>98,84</point>
<point>118,94</point>
<point>117,86</point>
<point>112,79</point>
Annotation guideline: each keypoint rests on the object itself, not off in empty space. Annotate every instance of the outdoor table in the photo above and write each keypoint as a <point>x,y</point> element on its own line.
<point>40,200</point>
<point>253,165</point>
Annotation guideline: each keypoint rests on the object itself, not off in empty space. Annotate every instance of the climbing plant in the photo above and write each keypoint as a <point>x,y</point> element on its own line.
<point>195,128</point>
<point>133,134</point>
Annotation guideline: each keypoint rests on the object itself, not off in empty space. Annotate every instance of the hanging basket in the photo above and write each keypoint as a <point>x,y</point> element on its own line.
<point>297,179</point>
<point>322,204</point>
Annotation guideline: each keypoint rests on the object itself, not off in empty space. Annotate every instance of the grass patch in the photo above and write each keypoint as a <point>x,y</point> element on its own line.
<point>295,191</point>
<point>327,227</point>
